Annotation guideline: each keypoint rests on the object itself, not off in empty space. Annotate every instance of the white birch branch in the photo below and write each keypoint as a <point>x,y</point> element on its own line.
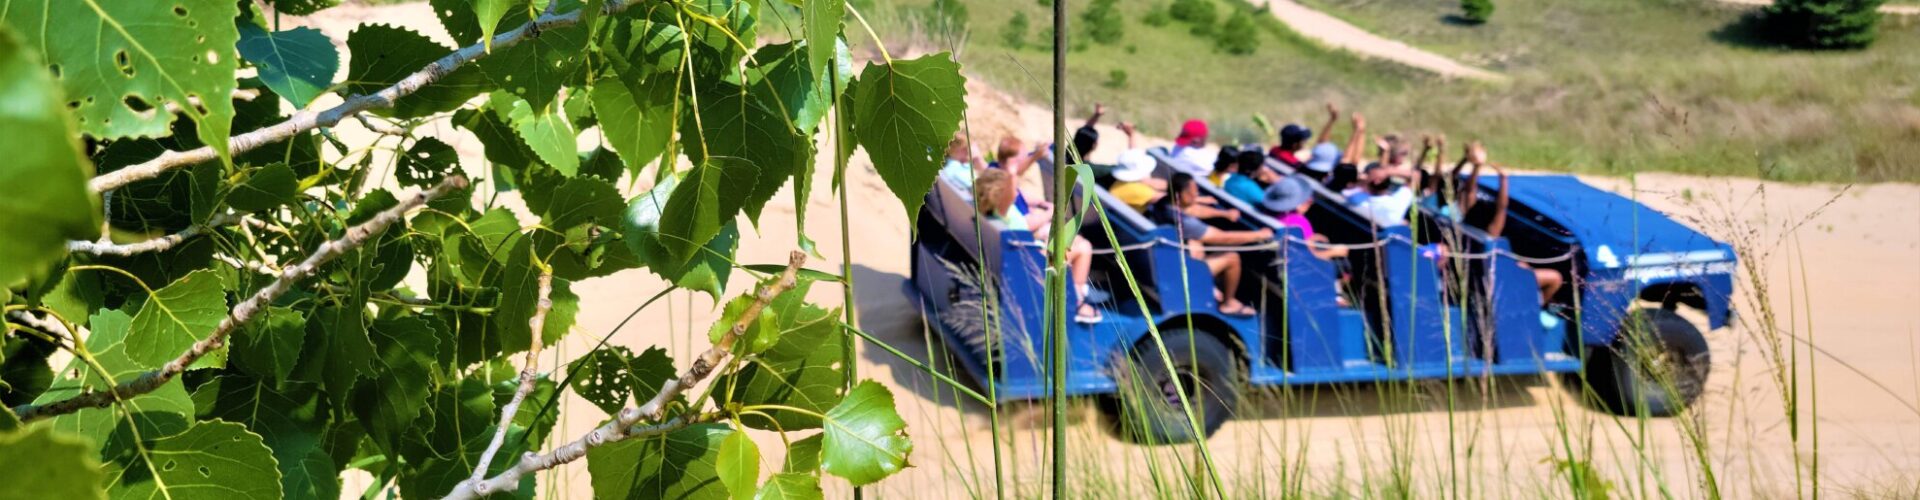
<point>307,120</point>
<point>527,375</point>
<point>622,426</point>
<point>153,245</point>
<point>246,310</point>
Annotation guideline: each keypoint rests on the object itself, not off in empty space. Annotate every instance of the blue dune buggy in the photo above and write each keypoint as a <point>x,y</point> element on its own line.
<point>1392,311</point>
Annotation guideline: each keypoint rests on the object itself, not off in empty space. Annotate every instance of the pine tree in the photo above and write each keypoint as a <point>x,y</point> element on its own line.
<point>1824,24</point>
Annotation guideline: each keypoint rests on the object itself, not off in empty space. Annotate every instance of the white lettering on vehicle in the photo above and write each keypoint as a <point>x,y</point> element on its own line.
<point>1680,270</point>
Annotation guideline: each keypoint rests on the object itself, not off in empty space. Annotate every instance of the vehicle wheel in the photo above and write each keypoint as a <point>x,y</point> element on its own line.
<point>1149,406</point>
<point>1657,364</point>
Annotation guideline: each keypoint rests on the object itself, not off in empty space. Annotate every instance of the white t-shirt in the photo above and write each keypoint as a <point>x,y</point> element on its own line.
<point>1386,210</point>
<point>1194,161</point>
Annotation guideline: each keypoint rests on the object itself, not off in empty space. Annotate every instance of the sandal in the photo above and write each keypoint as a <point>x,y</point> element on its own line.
<point>1082,316</point>
<point>1244,311</point>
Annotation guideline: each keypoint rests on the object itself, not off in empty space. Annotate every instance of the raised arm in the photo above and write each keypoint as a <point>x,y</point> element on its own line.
<point>1470,192</point>
<point>1127,127</point>
<point>1099,110</point>
<point>1499,222</point>
<point>1356,145</point>
<point>1333,116</point>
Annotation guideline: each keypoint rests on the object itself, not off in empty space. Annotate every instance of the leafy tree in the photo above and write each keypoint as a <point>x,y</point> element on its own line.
<point>305,306</point>
<point>1476,11</point>
<point>1823,24</point>
<point>1199,13</point>
<point>1104,22</point>
<point>1116,79</point>
<point>1014,33</point>
<point>1240,35</point>
<point>1157,17</point>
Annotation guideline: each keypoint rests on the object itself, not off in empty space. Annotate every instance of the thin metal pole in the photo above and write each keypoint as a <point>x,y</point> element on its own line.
<point>1062,239</point>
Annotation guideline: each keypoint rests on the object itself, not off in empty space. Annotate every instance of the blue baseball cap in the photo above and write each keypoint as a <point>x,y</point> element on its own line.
<point>1294,134</point>
<point>1325,155</point>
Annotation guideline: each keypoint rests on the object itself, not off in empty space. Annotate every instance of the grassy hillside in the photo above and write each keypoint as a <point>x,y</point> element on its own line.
<point>1599,85</point>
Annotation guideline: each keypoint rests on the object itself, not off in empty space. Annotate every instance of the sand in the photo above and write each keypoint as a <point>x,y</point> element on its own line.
<point>1840,263</point>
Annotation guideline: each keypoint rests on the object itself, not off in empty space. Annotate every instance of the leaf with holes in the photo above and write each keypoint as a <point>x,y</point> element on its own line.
<point>426,163</point>
<point>121,61</point>
<point>904,113</point>
<point>866,440</point>
<point>43,151</point>
<point>175,317</point>
<point>290,419</point>
<point>212,459</point>
<point>610,375</point>
<point>298,64</point>
<point>738,465</point>
<point>537,67</point>
<point>790,486</point>
<point>380,56</point>
<point>46,463</point>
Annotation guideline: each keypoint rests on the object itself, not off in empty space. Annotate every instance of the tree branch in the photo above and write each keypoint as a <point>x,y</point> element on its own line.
<point>151,380</point>
<point>307,120</point>
<point>622,426</point>
<point>527,375</point>
<point>153,245</point>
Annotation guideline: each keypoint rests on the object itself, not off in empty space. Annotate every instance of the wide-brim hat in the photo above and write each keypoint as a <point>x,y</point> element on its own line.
<point>1287,194</point>
<point>1135,166</point>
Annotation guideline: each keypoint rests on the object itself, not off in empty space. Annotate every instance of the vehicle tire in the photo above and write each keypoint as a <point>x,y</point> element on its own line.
<point>1657,364</point>
<point>1149,408</point>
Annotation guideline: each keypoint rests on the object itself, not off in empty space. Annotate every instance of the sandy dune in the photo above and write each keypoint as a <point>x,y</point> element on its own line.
<point>1345,36</point>
<point>1839,262</point>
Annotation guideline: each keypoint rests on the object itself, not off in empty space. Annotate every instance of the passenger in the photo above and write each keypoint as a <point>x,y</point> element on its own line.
<point>1293,138</point>
<point>1250,174</point>
<point>1177,209</point>
<point>1381,199</point>
<point>1548,280</point>
<point>1288,200</point>
<point>1188,154</point>
<point>1224,164</point>
<point>1133,181</point>
<point>994,192</point>
<point>1328,165</point>
<point>963,162</point>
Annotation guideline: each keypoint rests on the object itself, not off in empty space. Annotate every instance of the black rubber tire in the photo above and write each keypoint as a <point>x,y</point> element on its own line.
<point>1148,410</point>
<point>1625,381</point>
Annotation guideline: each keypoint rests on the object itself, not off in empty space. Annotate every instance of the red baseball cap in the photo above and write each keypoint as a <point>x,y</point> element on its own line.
<point>1191,133</point>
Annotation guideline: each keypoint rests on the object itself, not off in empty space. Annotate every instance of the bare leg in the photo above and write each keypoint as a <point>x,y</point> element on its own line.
<point>1226,270</point>
<point>1550,282</point>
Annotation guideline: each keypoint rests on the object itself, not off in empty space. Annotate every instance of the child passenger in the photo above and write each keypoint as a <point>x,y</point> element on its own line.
<point>993,194</point>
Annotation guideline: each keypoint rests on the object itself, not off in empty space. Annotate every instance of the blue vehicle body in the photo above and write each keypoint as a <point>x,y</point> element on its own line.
<point>982,290</point>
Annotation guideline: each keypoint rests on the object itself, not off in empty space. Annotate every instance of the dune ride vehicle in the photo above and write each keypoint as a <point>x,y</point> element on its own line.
<point>1393,311</point>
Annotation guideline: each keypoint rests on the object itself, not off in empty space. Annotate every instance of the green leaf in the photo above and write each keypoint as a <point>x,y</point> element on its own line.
<point>297,64</point>
<point>635,100</point>
<point>177,316</point>
<point>679,465</point>
<point>518,282</point>
<point>608,376</point>
<point>865,439</point>
<point>301,7</point>
<point>212,459</point>
<point>393,395</point>
<point>426,163</point>
<point>780,79</point>
<point>821,26</point>
<point>560,319</point>
<point>291,420</point>
<point>268,187</point>
<point>487,14</point>
<point>43,151</point>
<point>803,456</point>
<point>803,273</point>
<point>204,183</point>
<point>803,369</point>
<point>537,67</point>
<point>742,132</point>
<point>790,486</point>
<point>337,351</point>
<point>708,270</point>
<point>738,465</point>
<point>904,113</point>
<point>503,146</point>
<point>382,55</point>
<point>460,18</point>
<point>566,203</point>
<point>709,198</point>
<point>549,135</point>
<point>756,338</point>
<point>269,346</point>
<point>120,61</point>
<point>42,463</point>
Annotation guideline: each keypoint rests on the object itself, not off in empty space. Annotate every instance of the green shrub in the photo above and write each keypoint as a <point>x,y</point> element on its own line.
<point>1103,22</point>
<point>1240,36</point>
<point>945,18</point>
<point>1199,13</point>
<point>1823,24</point>
<point>1476,11</point>
<point>1014,33</point>
<point>1157,17</point>
<point>1116,79</point>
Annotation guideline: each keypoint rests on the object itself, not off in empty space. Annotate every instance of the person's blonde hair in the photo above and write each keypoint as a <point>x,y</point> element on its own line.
<point>989,187</point>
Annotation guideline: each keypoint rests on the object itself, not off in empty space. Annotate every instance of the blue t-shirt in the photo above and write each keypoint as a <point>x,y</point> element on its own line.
<point>1246,189</point>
